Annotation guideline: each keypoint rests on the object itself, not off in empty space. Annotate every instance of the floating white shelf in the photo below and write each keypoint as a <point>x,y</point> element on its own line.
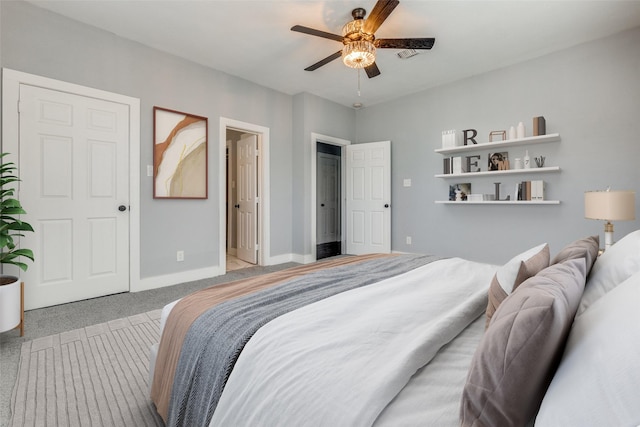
<point>499,202</point>
<point>553,137</point>
<point>505,172</point>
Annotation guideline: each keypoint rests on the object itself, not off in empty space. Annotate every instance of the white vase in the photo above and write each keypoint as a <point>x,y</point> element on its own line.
<point>512,133</point>
<point>10,304</point>
<point>520,132</point>
<point>518,163</point>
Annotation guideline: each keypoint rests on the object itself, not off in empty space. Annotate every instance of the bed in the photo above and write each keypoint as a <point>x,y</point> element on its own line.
<point>405,339</point>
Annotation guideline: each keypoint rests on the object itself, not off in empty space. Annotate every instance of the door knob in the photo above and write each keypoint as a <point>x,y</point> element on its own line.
<point>122,208</point>
<point>322,204</point>
<point>386,205</point>
<point>237,206</point>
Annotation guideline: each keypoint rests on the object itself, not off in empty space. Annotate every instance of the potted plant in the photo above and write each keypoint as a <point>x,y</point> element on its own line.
<point>11,227</point>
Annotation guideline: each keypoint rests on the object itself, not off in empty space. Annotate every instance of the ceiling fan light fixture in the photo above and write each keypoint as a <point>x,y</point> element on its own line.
<point>359,54</point>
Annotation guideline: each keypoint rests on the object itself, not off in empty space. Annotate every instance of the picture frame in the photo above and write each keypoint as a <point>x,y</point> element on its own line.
<point>459,192</point>
<point>180,155</point>
<point>498,161</point>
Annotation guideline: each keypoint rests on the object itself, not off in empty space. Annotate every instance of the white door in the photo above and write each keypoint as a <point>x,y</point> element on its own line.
<point>74,165</point>
<point>247,203</point>
<point>328,203</point>
<point>369,198</point>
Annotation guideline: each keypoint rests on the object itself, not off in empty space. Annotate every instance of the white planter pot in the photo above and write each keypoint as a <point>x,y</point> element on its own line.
<point>10,305</point>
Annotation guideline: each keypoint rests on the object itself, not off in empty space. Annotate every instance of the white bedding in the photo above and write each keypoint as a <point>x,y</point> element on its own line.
<point>342,360</point>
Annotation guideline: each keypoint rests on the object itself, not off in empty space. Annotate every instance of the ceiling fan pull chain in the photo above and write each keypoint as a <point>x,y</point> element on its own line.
<point>359,81</point>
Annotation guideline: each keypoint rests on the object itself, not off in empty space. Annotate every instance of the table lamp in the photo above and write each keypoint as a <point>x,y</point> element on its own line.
<point>610,206</point>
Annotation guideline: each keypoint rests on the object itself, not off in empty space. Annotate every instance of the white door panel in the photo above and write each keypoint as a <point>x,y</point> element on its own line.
<point>247,198</point>
<point>369,198</point>
<point>74,164</point>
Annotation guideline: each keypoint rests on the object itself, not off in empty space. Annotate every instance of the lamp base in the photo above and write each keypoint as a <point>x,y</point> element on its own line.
<point>608,235</point>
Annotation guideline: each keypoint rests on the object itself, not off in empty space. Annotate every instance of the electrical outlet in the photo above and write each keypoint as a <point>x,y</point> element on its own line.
<point>408,240</point>
<point>180,256</point>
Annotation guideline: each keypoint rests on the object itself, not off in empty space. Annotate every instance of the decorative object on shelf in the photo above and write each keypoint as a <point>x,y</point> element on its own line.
<point>475,197</point>
<point>471,138</point>
<point>457,166</point>
<point>449,138</point>
<point>610,206</point>
<point>539,126</point>
<point>539,161</point>
<point>179,155</point>
<point>497,193</point>
<point>473,164</point>
<point>520,130</point>
<point>512,133</point>
<point>527,160</point>
<point>499,161</point>
<point>517,163</point>
<point>498,133</point>
<point>459,192</point>
<point>11,227</point>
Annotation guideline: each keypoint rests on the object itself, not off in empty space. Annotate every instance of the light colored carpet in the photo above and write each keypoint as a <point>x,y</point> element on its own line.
<point>97,376</point>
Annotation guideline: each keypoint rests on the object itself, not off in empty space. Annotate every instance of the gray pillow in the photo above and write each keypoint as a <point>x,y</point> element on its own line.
<point>520,350</point>
<point>586,248</point>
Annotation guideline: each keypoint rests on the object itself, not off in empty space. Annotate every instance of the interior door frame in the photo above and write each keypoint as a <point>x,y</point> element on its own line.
<point>315,138</point>
<point>11,81</point>
<point>264,229</point>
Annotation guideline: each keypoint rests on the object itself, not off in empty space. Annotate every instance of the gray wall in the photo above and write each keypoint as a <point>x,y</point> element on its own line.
<point>39,42</point>
<point>590,94</point>
<point>317,115</point>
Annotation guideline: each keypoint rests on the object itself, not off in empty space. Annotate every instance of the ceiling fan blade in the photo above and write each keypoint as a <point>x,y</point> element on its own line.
<point>380,12</point>
<point>324,61</point>
<point>426,43</point>
<point>311,31</point>
<point>372,70</point>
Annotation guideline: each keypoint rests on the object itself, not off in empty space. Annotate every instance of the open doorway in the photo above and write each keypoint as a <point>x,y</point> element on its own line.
<point>242,189</point>
<point>244,196</point>
<point>327,243</point>
<point>328,200</point>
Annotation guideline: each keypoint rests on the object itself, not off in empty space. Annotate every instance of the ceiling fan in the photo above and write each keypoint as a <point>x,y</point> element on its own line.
<point>360,43</point>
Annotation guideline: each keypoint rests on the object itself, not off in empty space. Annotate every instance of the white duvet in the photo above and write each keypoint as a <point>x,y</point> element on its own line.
<point>341,361</point>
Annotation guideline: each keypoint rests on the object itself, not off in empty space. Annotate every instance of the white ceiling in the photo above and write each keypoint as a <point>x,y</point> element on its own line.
<point>252,39</point>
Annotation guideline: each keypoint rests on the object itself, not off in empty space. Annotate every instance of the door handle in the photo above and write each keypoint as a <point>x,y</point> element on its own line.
<point>122,208</point>
<point>322,204</point>
<point>386,205</point>
<point>237,206</point>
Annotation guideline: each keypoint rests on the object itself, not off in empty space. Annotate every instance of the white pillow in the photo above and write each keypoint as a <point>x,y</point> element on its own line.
<point>611,268</point>
<point>597,381</point>
<point>507,274</point>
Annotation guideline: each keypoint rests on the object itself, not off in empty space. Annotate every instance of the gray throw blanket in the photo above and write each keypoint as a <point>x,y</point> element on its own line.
<point>217,337</point>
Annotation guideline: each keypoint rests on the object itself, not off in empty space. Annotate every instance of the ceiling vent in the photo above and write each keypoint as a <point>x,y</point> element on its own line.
<point>407,53</point>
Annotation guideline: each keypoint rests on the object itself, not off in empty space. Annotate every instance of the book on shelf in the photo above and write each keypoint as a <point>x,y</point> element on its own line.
<point>530,190</point>
<point>539,126</point>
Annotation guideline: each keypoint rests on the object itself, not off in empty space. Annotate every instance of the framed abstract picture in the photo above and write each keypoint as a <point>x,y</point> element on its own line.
<point>179,155</point>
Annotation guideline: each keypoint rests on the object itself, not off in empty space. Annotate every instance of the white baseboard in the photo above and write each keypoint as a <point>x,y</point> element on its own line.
<point>205,273</point>
<point>176,278</point>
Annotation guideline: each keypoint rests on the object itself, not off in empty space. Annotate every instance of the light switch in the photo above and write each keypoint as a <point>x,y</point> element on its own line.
<point>149,170</point>
<point>406,183</point>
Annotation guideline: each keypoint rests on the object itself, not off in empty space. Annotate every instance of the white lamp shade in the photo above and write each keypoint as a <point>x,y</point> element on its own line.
<point>610,205</point>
